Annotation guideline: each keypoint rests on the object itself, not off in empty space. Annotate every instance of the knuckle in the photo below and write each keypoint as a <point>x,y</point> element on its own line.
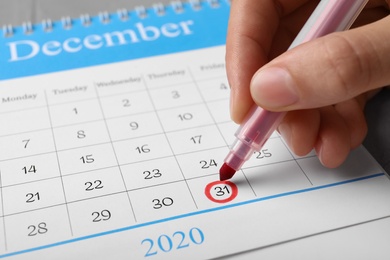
<point>348,61</point>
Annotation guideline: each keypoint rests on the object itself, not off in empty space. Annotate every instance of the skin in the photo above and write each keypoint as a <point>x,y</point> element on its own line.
<point>323,84</point>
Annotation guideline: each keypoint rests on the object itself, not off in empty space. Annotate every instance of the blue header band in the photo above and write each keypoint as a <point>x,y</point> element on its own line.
<point>117,40</point>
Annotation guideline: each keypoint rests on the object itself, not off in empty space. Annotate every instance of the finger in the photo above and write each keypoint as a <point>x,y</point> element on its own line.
<point>333,141</point>
<point>299,129</point>
<point>251,28</point>
<point>326,71</point>
<point>378,3</point>
<point>289,27</point>
<point>352,113</point>
<point>370,15</point>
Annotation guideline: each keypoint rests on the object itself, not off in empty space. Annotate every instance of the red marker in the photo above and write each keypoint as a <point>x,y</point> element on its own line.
<point>329,16</point>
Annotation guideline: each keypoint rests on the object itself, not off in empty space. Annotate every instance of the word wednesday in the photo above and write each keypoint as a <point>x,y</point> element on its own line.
<point>27,49</point>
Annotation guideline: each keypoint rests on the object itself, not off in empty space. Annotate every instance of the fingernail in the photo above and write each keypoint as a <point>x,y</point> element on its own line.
<point>273,88</point>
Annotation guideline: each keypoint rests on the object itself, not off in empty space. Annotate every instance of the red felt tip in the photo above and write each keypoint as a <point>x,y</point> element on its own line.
<point>226,172</point>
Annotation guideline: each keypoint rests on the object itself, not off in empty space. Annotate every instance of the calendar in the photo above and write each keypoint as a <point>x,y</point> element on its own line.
<point>117,157</point>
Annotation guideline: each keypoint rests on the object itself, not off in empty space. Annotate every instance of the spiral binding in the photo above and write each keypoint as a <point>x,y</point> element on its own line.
<point>27,28</point>
<point>66,22</point>
<point>196,4</point>
<point>177,6</point>
<point>47,25</point>
<point>8,31</point>
<point>159,9</point>
<point>141,11</point>
<point>105,17</point>
<point>123,14</point>
<point>85,20</point>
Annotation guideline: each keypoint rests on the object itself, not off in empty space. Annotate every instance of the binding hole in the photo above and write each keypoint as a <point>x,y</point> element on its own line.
<point>159,8</point>
<point>66,22</point>
<point>196,4</point>
<point>123,14</point>
<point>85,20</point>
<point>27,28</point>
<point>8,31</point>
<point>47,25</point>
<point>141,11</point>
<point>177,6</point>
<point>104,17</point>
<point>214,3</point>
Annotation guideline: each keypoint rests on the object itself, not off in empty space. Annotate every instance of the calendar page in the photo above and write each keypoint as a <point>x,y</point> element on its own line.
<point>113,130</point>
<point>121,161</point>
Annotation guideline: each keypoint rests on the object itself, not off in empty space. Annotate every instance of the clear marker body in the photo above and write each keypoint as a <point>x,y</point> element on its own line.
<point>329,16</point>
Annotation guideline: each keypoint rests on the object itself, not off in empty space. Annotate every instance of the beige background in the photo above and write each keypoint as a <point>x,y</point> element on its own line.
<point>18,11</point>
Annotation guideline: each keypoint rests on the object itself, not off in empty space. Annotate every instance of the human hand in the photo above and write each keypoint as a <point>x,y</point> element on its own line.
<point>324,84</point>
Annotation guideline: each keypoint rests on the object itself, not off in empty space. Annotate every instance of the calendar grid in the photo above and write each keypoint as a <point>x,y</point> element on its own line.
<point>165,131</point>
<point>21,110</point>
<point>127,197</point>
<point>190,178</point>
<point>32,210</point>
<point>97,196</point>
<point>1,196</point>
<point>300,167</point>
<point>297,161</point>
<point>115,154</point>
<point>58,165</point>
<point>104,96</point>
<point>2,215</point>
<point>89,121</point>
<point>199,212</point>
<point>207,107</point>
<point>170,146</point>
<point>80,172</point>
<point>217,125</point>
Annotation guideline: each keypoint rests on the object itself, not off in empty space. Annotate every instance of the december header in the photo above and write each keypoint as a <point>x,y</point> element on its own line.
<point>81,45</point>
<point>26,49</point>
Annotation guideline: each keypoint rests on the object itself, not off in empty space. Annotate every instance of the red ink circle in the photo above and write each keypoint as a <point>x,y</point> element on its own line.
<point>232,196</point>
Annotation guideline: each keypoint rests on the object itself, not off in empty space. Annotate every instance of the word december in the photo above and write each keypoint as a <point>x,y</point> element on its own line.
<point>27,49</point>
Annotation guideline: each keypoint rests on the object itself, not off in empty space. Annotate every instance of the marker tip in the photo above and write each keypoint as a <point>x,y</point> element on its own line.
<point>226,172</point>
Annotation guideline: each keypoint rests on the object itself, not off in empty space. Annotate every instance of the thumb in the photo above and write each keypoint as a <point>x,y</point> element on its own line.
<point>327,70</point>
